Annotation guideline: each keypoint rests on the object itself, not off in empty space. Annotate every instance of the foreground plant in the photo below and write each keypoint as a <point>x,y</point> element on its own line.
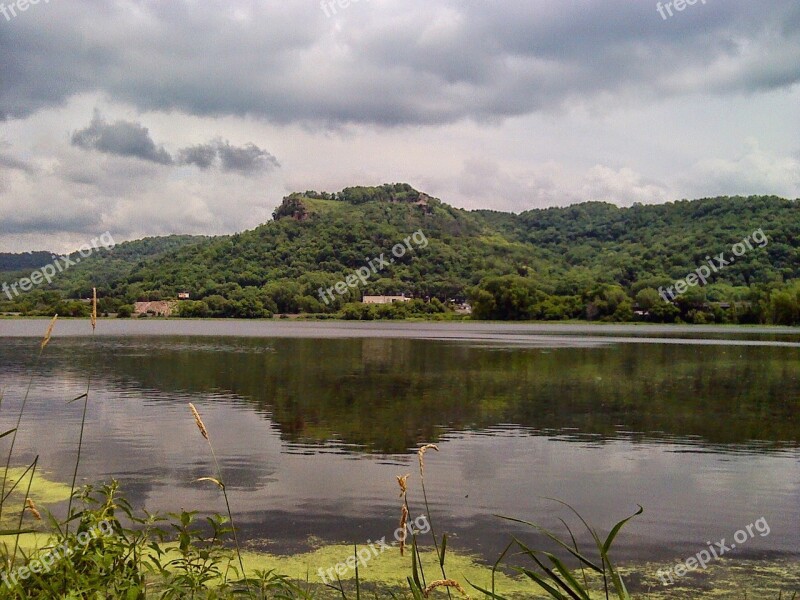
<point>98,556</point>
<point>219,482</point>
<point>558,580</point>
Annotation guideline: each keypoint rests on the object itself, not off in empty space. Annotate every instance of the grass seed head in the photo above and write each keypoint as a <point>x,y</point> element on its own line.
<point>448,583</point>
<point>31,506</point>
<point>212,480</point>
<point>421,454</point>
<point>49,331</point>
<point>402,482</point>
<point>200,425</point>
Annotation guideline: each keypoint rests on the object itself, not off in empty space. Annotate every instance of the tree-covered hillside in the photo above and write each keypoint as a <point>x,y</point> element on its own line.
<point>102,269</point>
<point>10,262</point>
<point>592,260</point>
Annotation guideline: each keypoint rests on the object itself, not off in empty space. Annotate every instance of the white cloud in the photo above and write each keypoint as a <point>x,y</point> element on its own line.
<point>753,171</point>
<point>507,105</point>
<point>485,183</point>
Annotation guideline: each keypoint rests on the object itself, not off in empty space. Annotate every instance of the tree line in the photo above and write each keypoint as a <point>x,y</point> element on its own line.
<point>592,261</point>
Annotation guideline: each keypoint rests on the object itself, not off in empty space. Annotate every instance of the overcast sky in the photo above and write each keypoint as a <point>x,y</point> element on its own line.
<point>177,116</point>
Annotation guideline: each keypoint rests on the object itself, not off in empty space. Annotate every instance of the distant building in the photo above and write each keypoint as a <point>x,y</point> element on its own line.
<point>384,299</point>
<point>183,296</point>
<point>154,309</point>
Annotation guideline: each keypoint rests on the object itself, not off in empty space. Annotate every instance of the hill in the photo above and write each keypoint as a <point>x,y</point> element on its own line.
<point>10,262</point>
<point>103,269</point>
<point>592,260</point>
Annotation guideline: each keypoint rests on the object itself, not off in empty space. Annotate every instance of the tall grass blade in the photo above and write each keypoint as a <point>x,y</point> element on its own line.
<point>550,573</point>
<point>615,530</point>
<point>42,346</point>
<point>32,469</point>
<point>586,561</point>
<point>358,583</point>
<point>540,581</point>
<point>414,571</point>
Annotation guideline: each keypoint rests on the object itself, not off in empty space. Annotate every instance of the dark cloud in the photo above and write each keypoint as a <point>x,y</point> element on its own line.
<point>202,155</point>
<point>246,159</point>
<point>129,139</point>
<point>121,138</point>
<point>419,62</point>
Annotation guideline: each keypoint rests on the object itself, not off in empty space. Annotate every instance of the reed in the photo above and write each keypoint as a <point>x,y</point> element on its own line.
<point>85,398</point>
<point>220,483</point>
<point>440,552</point>
<point>15,430</point>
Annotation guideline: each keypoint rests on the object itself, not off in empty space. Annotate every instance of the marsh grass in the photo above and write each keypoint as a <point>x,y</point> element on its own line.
<point>218,480</point>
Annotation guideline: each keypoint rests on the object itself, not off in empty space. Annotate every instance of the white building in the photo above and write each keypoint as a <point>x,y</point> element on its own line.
<point>384,299</point>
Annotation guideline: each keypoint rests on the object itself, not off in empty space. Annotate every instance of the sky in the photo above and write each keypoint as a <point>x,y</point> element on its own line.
<point>152,117</point>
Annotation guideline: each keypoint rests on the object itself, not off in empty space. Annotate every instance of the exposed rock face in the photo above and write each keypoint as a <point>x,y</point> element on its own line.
<point>292,207</point>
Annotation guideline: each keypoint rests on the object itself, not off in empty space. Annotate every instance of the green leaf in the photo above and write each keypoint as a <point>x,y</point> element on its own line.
<point>615,530</point>
<point>414,570</point>
<point>486,592</point>
<point>540,581</point>
<point>567,574</point>
<point>16,531</point>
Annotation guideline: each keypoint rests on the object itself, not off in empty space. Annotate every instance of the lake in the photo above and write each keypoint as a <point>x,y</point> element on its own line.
<point>312,421</point>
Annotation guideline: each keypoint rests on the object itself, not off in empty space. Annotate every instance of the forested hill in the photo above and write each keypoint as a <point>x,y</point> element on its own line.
<point>26,260</point>
<point>592,260</point>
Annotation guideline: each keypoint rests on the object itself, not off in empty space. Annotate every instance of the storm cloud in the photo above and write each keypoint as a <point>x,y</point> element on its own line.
<point>122,138</point>
<point>245,159</point>
<point>504,104</point>
<point>416,62</point>
<point>130,139</point>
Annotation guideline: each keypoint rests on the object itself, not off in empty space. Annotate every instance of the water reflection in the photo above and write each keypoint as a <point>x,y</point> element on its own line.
<point>311,432</point>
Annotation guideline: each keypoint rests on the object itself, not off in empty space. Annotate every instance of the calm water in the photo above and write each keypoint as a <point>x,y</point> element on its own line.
<point>312,421</point>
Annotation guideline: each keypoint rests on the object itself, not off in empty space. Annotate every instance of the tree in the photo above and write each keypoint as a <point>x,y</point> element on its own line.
<point>125,311</point>
<point>784,306</point>
<point>647,299</point>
